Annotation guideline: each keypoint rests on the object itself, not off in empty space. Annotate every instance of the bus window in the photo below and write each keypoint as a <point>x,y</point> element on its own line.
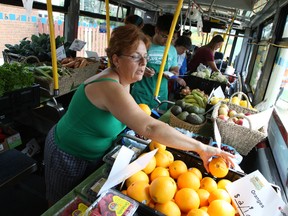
<point>54,2</point>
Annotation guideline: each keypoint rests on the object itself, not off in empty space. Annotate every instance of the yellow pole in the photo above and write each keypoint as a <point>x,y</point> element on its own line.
<point>107,23</point>
<point>169,39</point>
<point>227,31</point>
<point>53,47</point>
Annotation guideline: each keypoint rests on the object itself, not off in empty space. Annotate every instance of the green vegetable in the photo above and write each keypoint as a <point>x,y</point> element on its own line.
<point>14,76</point>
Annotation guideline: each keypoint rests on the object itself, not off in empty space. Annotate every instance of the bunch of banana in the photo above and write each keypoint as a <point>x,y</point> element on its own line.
<point>196,98</point>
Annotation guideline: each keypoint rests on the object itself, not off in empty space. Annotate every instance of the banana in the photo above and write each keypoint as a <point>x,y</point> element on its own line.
<point>200,101</point>
<point>191,100</point>
<point>198,92</point>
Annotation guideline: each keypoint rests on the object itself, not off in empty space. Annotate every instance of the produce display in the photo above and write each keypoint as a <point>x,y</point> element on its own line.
<point>112,203</point>
<point>215,76</point>
<point>77,62</point>
<point>191,108</point>
<point>15,76</point>
<point>176,186</point>
<point>38,46</point>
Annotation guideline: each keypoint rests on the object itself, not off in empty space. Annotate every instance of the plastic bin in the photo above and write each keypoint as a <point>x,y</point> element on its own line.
<point>20,99</point>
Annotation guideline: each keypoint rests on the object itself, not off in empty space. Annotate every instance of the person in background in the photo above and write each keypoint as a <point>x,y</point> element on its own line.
<point>100,109</point>
<point>182,45</point>
<point>143,91</point>
<point>205,54</point>
<point>187,33</point>
<point>149,30</point>
<point>134,20</point>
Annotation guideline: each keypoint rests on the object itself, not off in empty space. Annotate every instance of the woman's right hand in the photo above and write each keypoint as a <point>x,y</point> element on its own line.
<point>149,72</point>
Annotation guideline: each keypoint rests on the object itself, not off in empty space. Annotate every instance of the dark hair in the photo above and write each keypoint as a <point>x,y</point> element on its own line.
<point>164,22</point>
<point>187,33</point>
<point>183,41</point>
<point>125,39</point>
<point>216,39</point>
<point>135,20</point>
<point>149,29</point>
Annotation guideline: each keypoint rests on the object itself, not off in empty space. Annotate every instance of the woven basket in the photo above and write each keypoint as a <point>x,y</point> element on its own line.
<point>176,122</point>
<point>243,139</point>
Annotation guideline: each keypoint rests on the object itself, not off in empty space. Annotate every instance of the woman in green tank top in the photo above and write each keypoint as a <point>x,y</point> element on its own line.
<point>99,111</point>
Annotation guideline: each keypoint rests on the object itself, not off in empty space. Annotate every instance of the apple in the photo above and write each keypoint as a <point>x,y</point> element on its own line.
<point>247,114</point>
<point>234,119</point>
<point>223,117</point>
<point>241,115</point>
<point>240,122</point>
<point>224,106</point>
<point>223,111</point>
<point>231,113</point>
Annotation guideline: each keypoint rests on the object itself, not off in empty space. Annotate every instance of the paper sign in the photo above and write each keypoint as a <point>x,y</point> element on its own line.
<point>219,93</point>
<point>91,54</point>
<point>253,195</point>
<point>121,173</point>
<point>77,45</point>
<point>60,52</point>
<point>258,120</point>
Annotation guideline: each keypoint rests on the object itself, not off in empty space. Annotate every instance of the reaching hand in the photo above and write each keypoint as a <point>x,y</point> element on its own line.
<point>215,151</point>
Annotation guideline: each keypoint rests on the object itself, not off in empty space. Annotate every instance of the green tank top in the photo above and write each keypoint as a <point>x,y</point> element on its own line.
<point>86,131</point>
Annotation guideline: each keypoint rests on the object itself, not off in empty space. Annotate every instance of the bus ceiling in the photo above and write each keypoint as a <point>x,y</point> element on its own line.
<point>245,12</point>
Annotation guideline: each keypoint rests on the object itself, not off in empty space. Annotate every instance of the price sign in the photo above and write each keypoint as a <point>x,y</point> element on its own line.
<point>60,52</point>
<point>253,195</point>
<point>77,45</point>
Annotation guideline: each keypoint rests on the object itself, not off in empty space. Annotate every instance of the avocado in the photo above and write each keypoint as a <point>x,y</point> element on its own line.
<point>194,119</point>
<point>183,115</point>
<point>192,109</point>
<point>202,117</point>
<point>176,110</point>
<point>180,103</point>
<point>200,110</point>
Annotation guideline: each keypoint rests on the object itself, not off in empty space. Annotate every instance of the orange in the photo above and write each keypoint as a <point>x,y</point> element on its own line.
<point>150,166</point>
<point>124,192</point>
<point>204,208</point>
<point>139,191</point>
<point>169,208</point>
<point>223,183</point>
<point>219,194</point>
<point>145,108</point>
<point>162,189</point>
<point>196,171</point>
<point>187,199</point>
<point>220,207</point>
<point>203,196</point>
<point>218,167</point>
<point>176,168</point>
<point>162,159</point>
<point>188,180</point>
<point>154,145</point>
<point>139,176</point>
<point>208,184</point>
<point>151,204</point>
<point>158,171</point>
<point>170,156</point>
<point>197,212</point>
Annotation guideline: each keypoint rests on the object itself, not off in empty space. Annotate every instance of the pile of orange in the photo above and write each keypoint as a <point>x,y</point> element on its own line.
<point>169,186</point>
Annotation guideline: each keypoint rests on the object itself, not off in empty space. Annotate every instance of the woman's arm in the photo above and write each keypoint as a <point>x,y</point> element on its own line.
<point>121,104</point>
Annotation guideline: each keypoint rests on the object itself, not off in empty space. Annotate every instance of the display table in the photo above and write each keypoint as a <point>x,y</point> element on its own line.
<point>14,165</point>
<point>77,191</point>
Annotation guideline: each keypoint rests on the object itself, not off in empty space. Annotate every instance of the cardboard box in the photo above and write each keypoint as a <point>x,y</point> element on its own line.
<point>12,140</point>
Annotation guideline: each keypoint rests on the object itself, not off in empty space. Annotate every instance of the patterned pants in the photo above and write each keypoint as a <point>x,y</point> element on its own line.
<point>63,171</point>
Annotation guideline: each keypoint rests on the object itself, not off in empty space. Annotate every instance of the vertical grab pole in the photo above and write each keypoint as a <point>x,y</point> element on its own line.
<point>171,32</point>
<point>53,48</point>
<point>107,24</point>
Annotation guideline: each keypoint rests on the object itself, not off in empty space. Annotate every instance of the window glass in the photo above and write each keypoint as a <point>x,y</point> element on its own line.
<point>97,6</point>
<point>93,32</point>
<point>267,32</point>
<point>259,62</point>
<point>285,32</point>
<point>35,23</point>
<point>54,2</point>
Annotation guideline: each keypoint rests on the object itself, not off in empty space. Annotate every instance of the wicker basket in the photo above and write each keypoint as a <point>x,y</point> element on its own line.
<point>176,122</point>
<point>243,139</point>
